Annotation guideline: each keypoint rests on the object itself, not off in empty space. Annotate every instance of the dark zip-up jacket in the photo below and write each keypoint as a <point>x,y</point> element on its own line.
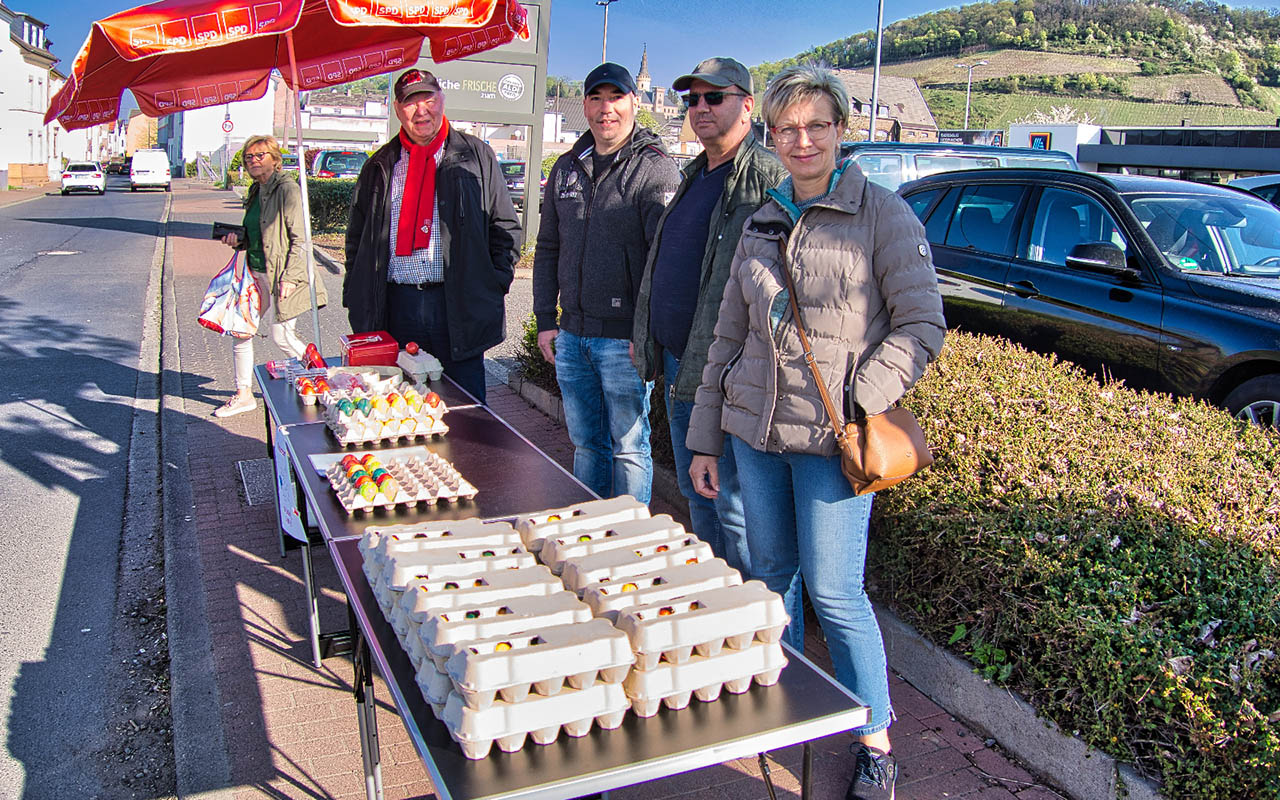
<point>595,235</point>
<point>755,171</point>
<point>479,234</point>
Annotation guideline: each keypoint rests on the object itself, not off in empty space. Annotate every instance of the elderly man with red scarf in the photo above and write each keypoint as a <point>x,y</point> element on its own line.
<point>433,238</point>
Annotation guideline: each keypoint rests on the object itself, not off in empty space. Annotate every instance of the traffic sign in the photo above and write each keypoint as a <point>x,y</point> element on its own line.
<point>227,126</point>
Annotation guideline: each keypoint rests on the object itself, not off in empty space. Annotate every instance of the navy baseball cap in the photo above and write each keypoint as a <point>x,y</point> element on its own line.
<point>610,73</point>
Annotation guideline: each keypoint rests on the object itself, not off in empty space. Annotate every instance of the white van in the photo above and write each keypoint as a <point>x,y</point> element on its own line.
<point>150,168</point>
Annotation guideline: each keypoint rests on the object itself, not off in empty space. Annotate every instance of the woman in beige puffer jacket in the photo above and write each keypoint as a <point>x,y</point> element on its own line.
<point>869,302</point>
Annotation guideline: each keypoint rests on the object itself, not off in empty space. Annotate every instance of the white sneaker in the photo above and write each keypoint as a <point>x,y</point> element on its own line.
<point>238,404</point>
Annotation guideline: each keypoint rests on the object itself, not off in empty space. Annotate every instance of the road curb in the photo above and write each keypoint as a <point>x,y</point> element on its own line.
<point>1085,772</point>
<point>199,746</point>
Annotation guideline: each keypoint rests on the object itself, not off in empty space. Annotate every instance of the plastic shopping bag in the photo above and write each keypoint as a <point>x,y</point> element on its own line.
<point>232,305</point>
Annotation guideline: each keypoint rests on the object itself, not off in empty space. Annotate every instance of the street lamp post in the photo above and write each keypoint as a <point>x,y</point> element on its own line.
<point>969,87</point>
<point>604,44</point>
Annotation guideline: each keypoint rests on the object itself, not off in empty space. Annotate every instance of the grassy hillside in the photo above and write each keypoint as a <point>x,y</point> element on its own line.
<point>1003,63</point>
<point>996,111</point>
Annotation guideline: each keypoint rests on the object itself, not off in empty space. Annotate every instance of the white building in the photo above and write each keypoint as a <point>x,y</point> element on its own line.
<point>1065,137</point>
<point>25,91</point>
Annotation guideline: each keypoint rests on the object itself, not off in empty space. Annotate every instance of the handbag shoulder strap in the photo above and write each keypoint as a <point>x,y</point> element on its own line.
<point>804,342</point>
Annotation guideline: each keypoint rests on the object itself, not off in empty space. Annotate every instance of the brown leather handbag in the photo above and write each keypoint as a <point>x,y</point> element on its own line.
<point>877,451</point>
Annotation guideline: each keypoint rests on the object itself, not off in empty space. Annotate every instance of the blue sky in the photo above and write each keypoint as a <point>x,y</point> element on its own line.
<point>679,33</point>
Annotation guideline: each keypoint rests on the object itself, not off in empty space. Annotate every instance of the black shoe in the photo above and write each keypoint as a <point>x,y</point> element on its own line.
<point>874,775</point>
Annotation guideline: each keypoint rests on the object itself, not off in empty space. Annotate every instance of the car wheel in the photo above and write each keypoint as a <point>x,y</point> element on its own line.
<point>64,192</point>
<point>1257,400</point>
<point>166,187</point>
<point>133,188</point>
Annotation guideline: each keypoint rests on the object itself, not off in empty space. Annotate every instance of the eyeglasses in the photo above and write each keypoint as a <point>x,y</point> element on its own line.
<point>817,131</point>
<point>713,98</point>
<point>255,156</point>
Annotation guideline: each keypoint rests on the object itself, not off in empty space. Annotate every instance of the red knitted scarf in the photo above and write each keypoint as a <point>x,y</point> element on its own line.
<point>414,228</point>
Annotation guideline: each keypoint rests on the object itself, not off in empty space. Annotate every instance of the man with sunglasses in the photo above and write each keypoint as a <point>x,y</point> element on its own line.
<point>433,238</point>
<point>602,205</point>
<point>686,271</point>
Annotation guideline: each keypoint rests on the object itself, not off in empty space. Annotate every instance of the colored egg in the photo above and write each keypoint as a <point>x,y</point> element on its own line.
<point>354,470</point>
<point>363,406</point>
<point>433,399</point>
<point>487,554</point>
<point>360,479</point>
<point>394,398</point>
<point>367,457</point>
<point>369,491</point>
<point>629,587</point>
<point>378,473</point>
<point>348,460</point>
<point>451,585</point>
<point>346,407</point>
<point>473,615</point>
<point>322,385</point>
<point>586,537</point>
<point>390,487</point>
<point>662,549</point>
<point>307,390</point>
<point>666,612</point>
<point>501,647</point>
<point>383,477</point>
<point>553,518</point>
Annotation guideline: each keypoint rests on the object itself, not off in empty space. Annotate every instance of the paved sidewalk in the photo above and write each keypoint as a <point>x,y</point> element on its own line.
<point>290,730</point>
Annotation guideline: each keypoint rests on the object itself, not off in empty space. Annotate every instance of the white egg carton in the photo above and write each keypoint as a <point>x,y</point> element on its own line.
<point>592,514</point>
<point>609,598</point>
<point>422,480</point>
<point>436,564</point>
<point>612,565</point>
<point>539,661</point>
<point>422,597</point>
<point>381,542</point>
<point>703,677</point>
<point>703,624</point>
<point>352,430</point>
<point>536,717</point>
<point>442,633</point>
<point>558,549</point>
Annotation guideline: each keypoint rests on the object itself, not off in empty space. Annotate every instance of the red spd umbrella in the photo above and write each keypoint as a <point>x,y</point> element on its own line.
<point>178,55</point>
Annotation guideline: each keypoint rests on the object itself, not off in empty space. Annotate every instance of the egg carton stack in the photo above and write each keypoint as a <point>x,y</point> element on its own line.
<point>503,651</point>
<point>394,409</point>
<point>694,626</point>
<point>366,483</point>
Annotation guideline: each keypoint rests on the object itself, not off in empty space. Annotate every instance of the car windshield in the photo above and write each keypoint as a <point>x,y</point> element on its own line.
<point>82,168</point>
<point>1227,235</point>
<point>513,169</point>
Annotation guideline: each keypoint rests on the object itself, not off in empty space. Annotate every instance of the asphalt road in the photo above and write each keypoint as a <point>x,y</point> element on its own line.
<point>73,279</point>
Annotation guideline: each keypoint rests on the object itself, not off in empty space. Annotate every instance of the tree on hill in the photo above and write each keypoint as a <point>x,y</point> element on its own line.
<point>1057,115</point>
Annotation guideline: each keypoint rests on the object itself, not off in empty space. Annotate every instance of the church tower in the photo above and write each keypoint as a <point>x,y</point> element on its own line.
<point>643,81</point>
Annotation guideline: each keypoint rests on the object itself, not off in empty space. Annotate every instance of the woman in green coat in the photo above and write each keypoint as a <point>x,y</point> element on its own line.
<point>275,256</point>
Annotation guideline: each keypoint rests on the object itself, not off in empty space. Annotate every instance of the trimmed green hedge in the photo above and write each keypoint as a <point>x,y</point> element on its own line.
<point>330,203</point>
<point>1109,554</point>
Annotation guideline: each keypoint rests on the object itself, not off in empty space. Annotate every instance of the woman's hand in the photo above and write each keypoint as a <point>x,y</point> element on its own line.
<point>286,288</point>
<point>705,472</point>
<point>231,240</point>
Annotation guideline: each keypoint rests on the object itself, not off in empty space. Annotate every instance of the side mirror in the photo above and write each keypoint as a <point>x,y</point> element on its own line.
<point>1103,257</point>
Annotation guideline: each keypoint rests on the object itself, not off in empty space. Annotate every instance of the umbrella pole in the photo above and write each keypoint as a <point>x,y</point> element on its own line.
<point>306,199</point>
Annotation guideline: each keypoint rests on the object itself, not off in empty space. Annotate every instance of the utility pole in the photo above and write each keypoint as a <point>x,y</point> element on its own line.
<point>604,44</point>
<point>969,87</point>
<point>875,74</point>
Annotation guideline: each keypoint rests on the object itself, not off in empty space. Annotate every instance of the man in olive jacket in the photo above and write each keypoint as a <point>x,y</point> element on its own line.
<point>686,271</point>
<point>431,247</point>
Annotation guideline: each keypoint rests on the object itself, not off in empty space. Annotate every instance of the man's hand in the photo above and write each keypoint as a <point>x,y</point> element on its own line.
<point>231,240</point>
<point>705,472</point>
<point>631,351</point>
<point>286,288</point>
<point>545,338</point>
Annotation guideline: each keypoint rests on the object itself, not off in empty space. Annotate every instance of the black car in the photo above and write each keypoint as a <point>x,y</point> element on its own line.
<point>1171,285</point>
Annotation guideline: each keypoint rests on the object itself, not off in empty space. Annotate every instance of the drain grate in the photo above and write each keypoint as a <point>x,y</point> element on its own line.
<point>259,478</point>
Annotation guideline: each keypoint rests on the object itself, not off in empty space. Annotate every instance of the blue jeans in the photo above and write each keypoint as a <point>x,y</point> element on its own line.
<point>717,522</point>
<point>606,409</point>
<point>802,515</point>
<point>421,315</point>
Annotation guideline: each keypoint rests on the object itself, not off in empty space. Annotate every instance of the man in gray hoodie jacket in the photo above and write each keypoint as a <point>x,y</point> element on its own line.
<point>601,208</point>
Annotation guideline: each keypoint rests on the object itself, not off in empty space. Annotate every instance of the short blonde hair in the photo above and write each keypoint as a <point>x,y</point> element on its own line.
<point>802,82</point>
<point>273,148</point>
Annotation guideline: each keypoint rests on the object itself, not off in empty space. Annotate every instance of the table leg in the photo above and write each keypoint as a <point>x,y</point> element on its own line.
<point>271,429</point>
<point>366,712</point>
<point>313,605</point>
<point>806,774</point>
<point>768,780</point>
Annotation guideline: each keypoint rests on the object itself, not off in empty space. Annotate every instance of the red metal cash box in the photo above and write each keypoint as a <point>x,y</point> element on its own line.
<point>373,348</point>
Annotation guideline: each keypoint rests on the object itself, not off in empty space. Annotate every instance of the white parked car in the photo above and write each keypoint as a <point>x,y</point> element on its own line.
<point>149,168</point>
<point>84,176</point>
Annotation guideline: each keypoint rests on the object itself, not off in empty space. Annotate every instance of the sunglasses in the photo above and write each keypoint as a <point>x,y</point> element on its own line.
<point>713,98</point>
